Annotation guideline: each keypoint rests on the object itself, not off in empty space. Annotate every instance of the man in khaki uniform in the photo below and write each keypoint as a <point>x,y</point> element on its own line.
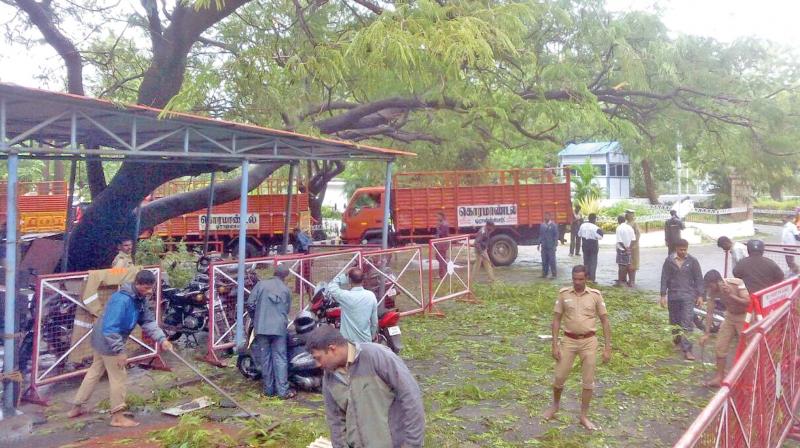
<point>734,295</point>
<point>579,307</point>
<point>123,258</point>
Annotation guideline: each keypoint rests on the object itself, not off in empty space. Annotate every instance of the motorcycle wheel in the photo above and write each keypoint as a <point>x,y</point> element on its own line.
<point>699,322</point>
<point>388,342</point>
<point>247,367</point>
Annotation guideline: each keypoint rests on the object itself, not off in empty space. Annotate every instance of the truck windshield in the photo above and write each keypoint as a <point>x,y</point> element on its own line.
<point>365,201</point>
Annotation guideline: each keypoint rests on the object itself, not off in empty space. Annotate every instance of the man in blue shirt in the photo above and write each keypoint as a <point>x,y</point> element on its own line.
<point>301,241</point>
<point>359,307</point>
<point>548,241</point>
<point>125,309</point>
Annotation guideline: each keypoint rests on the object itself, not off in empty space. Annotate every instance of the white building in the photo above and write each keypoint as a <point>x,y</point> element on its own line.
<point>335,196</point>
<point>611,165</point>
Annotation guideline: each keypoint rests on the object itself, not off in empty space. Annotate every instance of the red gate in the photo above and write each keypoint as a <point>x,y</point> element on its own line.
<point>400,271</point>
<point>65,309</point>
<point>455,279</point>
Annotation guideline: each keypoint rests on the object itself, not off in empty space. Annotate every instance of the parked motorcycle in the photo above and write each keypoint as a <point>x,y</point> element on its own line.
<point>699,317</point>
<point>304,374</point>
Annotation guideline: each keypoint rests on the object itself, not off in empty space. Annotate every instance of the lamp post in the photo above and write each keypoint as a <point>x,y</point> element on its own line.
<point>678,167</point>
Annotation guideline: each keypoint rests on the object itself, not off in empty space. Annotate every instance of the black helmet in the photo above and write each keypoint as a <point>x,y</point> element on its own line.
<point>304,322</point>
<point>755,246</point>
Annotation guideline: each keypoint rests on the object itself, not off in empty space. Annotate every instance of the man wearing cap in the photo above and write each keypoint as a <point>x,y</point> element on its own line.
<point>630,217</point>
<point>578,307</point>
<point>269,303</point>
<point>757,271</point>
<point>672,231</point>
<point>625,237</point>
<point>733,294</point>
<point>574,238</point>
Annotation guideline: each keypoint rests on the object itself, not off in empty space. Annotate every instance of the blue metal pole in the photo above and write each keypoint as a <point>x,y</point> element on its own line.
<point>387,199</point>
<point>242,254</point>
<point>11,266</point>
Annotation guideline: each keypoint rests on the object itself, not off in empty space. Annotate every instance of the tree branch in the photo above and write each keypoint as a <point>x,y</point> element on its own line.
<point>371,6</point>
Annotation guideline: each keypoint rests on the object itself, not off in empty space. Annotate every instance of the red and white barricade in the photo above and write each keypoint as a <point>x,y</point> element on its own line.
<point>222,291</point>
<point>66,306</point>
<point>756,403</point>
<point>396,275</point>
<point>309,270</point>
<point>449,277</point>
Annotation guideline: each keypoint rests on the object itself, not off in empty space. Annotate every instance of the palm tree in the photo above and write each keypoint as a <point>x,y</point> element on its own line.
<point>585,190</point>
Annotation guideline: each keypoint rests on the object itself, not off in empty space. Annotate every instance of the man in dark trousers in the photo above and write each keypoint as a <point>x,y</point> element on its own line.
<point>590,235</point>
<point>442,231</point>
<point>269,303</point>
<point>548,242</point>
<point>682,288</point>
<point>371,398</point>
<point>125,309</point>
<point>574,238</point>
<point>672,231</point>
<point>757,271</point>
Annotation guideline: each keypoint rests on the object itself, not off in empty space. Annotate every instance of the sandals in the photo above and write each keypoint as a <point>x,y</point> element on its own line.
<point>289,395</point>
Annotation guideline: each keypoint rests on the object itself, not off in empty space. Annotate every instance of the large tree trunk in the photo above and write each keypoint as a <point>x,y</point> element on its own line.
<point>649,183</point>
<point>776,191</point>
<point>319,176</point>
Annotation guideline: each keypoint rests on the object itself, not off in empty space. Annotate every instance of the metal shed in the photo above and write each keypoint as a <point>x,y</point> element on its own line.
<point>42,124</point>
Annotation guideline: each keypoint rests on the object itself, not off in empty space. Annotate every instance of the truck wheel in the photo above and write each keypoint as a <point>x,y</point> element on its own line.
<point>502,250</point>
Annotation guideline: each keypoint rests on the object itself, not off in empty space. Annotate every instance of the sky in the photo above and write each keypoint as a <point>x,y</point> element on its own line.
<point>724,20</point>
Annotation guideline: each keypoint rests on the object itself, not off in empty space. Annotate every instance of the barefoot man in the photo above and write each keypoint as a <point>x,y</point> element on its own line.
<point>579,307</point>
<point>733,294</point>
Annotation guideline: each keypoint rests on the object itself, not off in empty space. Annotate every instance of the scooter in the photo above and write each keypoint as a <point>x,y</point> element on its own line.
<point>304,374</point>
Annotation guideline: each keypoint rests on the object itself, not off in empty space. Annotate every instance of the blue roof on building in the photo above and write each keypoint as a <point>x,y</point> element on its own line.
<point>588,149</point>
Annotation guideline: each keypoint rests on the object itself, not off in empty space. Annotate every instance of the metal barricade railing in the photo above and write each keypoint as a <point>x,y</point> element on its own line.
<point>400,271</point>
<point>309,270</point>
<point>756,403</point>
<point>304,270</point>
<point>66,306</point>
<point>222,289</point>
<point>786,256</point>
<point>450,277</point>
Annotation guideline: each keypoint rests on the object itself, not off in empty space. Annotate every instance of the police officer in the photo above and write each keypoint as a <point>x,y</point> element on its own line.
<point>579,307</point>
<point>123,259</point>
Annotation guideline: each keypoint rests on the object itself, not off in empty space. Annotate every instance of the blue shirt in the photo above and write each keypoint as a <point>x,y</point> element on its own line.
<point>359,311</point>
<point>301,242</point>
<point>548,236</point>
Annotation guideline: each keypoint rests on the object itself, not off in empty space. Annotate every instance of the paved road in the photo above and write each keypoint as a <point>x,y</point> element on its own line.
<point>528,266</point>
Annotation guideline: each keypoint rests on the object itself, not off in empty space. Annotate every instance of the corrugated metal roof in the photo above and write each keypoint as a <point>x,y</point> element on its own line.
<point>591,148</point>
<point>133,130</point>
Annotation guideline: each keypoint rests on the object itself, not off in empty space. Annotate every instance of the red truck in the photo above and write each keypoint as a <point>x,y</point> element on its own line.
<point>516,200</point>
<point>42,208</point>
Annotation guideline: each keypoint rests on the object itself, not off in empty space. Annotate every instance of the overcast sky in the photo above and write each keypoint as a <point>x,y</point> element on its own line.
<point>724,20</point>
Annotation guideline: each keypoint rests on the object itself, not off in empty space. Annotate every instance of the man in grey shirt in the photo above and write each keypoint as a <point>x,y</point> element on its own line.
<point>359,307</point>
<point>269,304</point>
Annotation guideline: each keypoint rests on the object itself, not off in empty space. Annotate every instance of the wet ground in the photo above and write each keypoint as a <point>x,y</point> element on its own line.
<point>528,266</point>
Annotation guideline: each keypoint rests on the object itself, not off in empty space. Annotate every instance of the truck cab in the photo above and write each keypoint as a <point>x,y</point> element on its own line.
<point>363,218</point>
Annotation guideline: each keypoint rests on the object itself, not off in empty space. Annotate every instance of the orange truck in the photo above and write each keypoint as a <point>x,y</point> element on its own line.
<point>515,200</point>
<point>266,207</point>
<point>42,208</point>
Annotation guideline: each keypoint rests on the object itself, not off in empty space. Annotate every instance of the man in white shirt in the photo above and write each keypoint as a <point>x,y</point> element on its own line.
<point>738,251</point>
<point>590,236</point>
<point>625,236</point>
<point>790,237</point>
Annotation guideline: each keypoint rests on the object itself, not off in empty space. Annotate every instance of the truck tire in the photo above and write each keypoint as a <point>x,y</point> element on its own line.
<point>502,250</point>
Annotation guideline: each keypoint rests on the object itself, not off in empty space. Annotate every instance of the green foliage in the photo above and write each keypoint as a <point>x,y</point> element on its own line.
<point>589,205</point>
<point>191,432</point>
<point>330,213</point>
<point>149,251</point>
<point>582,183</point>
<point>619,209</point>
<point>771,204</point>
<point>179,264</point>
